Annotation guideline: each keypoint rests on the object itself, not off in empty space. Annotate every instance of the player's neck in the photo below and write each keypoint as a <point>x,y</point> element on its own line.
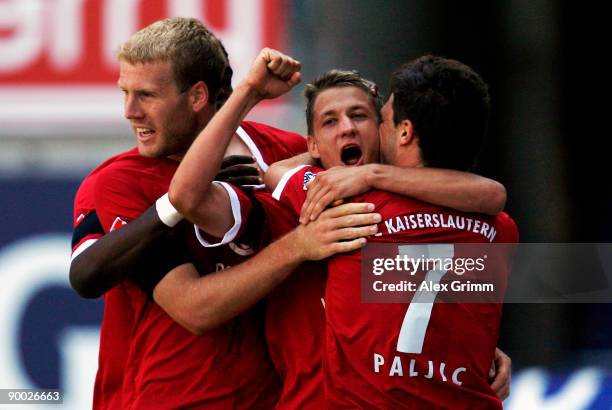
<point>408,159</point>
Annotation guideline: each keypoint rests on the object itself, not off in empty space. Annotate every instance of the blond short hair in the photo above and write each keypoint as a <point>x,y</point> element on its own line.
<point>194,52</point>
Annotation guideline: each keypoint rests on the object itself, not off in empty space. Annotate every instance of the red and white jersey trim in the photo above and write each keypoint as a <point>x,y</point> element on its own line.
<point>231,234</point>
<point>278,191</point>
<point>81,248</point>
<point>117,223</point>
<point>253,148</point>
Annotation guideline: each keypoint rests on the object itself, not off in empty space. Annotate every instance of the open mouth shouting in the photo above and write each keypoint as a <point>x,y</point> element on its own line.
<point>351,154</point>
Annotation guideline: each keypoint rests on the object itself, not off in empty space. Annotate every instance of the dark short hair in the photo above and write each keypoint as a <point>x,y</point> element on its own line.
<point>448,104</point>
<point>339,78</point>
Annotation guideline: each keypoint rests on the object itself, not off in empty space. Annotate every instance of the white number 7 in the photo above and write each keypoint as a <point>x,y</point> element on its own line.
<point>418,314</point>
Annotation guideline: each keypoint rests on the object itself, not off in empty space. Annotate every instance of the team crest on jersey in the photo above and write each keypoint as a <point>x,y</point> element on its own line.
<point>308,176</point>
<point>117,223</point>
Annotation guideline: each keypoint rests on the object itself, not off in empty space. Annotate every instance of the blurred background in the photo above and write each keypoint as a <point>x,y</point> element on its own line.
<point>61,114</point>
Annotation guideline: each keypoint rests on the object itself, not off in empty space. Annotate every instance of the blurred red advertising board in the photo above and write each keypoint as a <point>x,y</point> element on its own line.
<point>57,57</point>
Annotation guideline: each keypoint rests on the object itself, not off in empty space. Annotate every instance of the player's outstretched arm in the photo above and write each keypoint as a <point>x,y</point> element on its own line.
<point>454,189</point>
<point>130,250</point>
<point>192,192</point>
<point>202,303</point>
<point>108,261</point>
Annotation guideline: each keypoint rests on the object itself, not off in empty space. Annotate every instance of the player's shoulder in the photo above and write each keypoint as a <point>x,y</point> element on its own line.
<point>88,183</point>
<point>389,200</point>
<point>115,162</point>
<point>296,178</point>
<point>126,160</point>
<point>130,165</point>
<point>118,174</point>
<point>268,131</point>
<point>287,143</point>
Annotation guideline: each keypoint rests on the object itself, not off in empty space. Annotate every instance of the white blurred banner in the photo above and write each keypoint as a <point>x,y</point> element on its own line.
<point>57,57</point>
<point>43,345</point>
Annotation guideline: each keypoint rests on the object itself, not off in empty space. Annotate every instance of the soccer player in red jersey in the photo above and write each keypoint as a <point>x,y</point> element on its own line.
<point>173,74</point>
<point>419,355</point>
<point>155,339</point>
<point>157,347</point>
<point>193,194</point>
<point>215,358</point>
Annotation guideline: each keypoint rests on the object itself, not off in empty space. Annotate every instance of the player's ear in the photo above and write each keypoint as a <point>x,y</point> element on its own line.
<point>313,148</point>
<point>198,96</point>
<point>406,131</point>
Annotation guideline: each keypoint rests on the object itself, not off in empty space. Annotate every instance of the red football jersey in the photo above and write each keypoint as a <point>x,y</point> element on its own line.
<point>118,311</point>
<point>363,367</point>
<point>296,311</point>
<point>294,314</point>
<point>413,355</point>
<point>162,365</point>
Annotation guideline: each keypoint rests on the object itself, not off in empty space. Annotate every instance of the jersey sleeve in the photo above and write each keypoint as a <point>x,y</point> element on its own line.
<point>86,224</point>
<point>241,206</point>
<point>87,231</point>
<point>278,216</point>
<point>258,218</point>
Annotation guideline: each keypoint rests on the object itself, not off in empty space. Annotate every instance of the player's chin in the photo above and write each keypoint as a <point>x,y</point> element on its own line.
<point>149,150</point>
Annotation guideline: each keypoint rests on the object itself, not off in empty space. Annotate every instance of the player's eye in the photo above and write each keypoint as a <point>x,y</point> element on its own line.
<point>329,121</point>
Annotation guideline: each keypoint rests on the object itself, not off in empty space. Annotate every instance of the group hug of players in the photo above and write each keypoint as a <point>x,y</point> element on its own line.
<point>222,292</point>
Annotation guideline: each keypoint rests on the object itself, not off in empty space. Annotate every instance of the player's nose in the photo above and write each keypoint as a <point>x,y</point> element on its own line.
<point>346,125</point>
<point>132,108</point>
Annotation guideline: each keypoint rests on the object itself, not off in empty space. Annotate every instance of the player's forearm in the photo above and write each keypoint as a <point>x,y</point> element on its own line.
<point>191,182</point>
<point>454,189</point>
<point>202,303</point>
<point>113,257</point>
<point>213,299</point>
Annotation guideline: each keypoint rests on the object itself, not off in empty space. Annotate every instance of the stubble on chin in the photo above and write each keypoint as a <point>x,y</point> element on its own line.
<point>151,152</point>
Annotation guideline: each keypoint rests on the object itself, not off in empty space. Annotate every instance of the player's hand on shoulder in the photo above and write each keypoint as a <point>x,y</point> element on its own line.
<point>339,229</point>
<point>239,170</point>
<point>273,73</point>
<point>330,187</point>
